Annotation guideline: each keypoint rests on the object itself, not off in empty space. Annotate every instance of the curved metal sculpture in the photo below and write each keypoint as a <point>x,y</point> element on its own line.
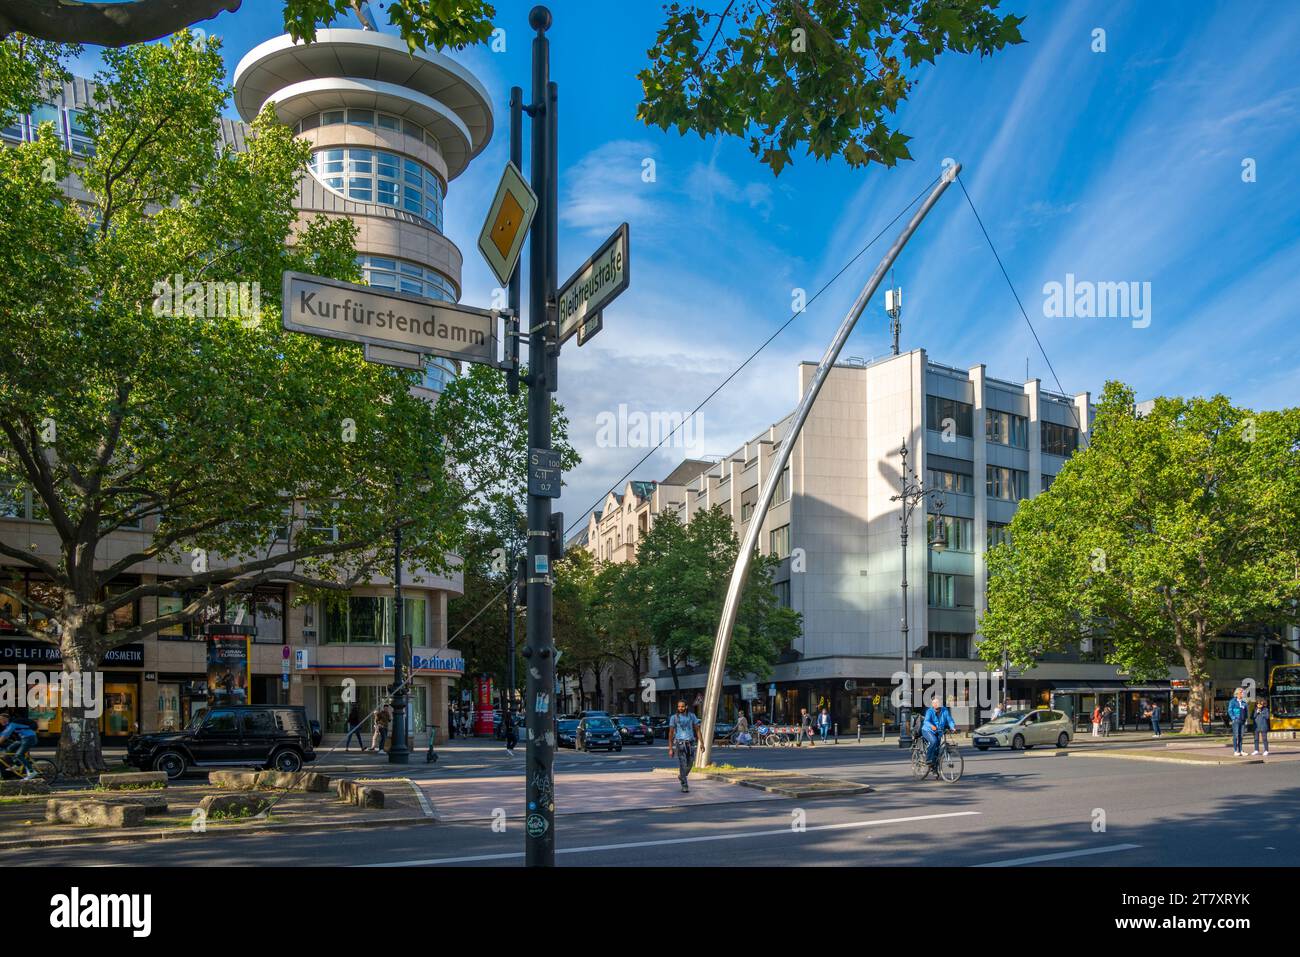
<point>730,607</point>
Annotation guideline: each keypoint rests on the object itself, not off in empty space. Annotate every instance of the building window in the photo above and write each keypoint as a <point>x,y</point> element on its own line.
<point>957,532</point>
<point>779,541</point>
<point>385,121</point>
<point>1006,428</point>
<point>1009,484</point>
<point>950,591</point>
<point>1047,481</point>
<point>377,176</point>
<point>748,499</point>
<point>366,620</point>
<point>944,644</point>
<point>782,590</point>
<point>946,481</point>
<point>998,534</point>
<point>78,135</point>
<point>941,414</point>
<point>783,488</point>
<point>1062,440</point>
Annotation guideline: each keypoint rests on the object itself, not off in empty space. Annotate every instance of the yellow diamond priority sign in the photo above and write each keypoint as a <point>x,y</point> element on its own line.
<point>506,226</point>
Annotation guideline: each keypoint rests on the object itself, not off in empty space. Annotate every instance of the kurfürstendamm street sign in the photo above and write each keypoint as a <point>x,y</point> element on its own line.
<point>395,320</point>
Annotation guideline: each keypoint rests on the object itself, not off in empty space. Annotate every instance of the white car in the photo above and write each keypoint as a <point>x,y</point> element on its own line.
<point>1018,730</point>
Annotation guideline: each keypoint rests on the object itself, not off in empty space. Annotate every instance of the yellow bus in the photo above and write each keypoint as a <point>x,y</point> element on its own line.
<point>1284,697</point>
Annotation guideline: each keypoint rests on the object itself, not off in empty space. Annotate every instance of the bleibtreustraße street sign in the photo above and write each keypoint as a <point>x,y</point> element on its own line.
<point>343,310</point>
<point>595,284</point>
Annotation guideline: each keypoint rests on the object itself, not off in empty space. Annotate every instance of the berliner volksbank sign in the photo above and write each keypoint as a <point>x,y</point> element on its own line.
<point>344,310</point>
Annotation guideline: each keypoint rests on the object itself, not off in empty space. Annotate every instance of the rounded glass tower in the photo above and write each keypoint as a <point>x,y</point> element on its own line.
<point>389,129</point>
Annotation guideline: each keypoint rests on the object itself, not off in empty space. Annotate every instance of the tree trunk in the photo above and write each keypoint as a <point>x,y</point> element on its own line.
<point>80,749</point>
<point>1194,662</point>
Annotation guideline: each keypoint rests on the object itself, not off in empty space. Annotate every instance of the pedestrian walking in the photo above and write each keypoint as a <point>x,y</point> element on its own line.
<point>682,738</point>
<point>742,729</point>
<point>1106,713</point>
<point>1237,711</point>
<point>382,718</point>
<point>1096,721</point>
<point>1155,719</point>
<point>511,737</point>
<point>354,729</point>
<point>1262,716</point>
<point>824,724</point>
<point>805,727</point>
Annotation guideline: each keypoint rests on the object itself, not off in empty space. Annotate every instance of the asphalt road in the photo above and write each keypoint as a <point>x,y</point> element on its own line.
<point>1010,809</point>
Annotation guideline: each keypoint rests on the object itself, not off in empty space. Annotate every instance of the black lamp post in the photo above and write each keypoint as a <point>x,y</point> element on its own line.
<point>911,494</point>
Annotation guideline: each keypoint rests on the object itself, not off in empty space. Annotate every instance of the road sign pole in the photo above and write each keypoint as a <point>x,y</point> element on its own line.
<point>539,827</point>
<point>517,158</point>
<point>399,751</point>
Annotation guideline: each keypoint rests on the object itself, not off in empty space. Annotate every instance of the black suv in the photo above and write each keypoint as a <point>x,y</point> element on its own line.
<point>276,737</point>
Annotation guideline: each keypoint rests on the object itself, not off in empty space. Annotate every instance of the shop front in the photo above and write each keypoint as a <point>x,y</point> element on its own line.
<point>336,679</point>
<point>39,703</point>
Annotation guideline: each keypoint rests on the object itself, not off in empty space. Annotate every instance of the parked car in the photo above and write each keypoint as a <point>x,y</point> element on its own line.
<point>1018,730</point>
<point>276,737</point>
<point>593,714</point>
<point>566,730</point>
<point>597,731</point>
<point>659,725</point>
<point>723,729</point>
<point>634,729</point>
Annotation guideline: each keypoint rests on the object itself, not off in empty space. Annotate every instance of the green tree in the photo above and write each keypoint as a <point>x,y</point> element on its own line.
<point>616,610</point>
<point>578,638</point>
<point>825,74</point>
<point>1168,529</point>
<point>684,570</point>
<point>240,450</point>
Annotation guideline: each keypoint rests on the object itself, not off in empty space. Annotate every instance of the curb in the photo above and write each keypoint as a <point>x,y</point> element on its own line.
<point>133,835</point>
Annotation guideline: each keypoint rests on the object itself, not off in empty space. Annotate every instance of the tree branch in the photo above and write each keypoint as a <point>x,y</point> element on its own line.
<point>106,24</point>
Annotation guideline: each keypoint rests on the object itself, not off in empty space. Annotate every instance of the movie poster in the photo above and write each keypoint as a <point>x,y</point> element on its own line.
<point>227,669</point>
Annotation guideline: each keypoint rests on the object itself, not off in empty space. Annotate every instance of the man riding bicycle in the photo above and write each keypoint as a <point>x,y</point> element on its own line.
<point>23,740</point>
<point>937,720</point>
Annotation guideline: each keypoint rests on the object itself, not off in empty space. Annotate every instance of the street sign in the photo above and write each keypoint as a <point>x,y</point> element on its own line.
<point>393,320</point>
<point>590,326</point>
<point>749,690</point>
<point>394,357</point>
<point>506,226</point>
<point>544,472</point>
<point>596,283</point>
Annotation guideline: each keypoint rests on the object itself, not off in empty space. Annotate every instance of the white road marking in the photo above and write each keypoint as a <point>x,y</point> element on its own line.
<point>676,840</point>
<point>1015,861</point>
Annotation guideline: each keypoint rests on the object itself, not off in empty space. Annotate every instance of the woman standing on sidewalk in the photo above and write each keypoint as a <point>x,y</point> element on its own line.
<point>1237,710</point>
<point>1261,725</point>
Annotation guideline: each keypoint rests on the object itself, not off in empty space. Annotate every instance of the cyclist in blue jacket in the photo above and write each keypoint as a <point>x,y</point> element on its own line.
<point>18,739</point>
<point>937,720</point>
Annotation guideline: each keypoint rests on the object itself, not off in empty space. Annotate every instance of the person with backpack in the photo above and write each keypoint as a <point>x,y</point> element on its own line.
<point>1262,715</point>
<point>1237,711</point>
<point>1106,712</point>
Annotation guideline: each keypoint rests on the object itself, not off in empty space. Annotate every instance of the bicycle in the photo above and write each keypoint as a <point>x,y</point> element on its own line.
<point>11,770</point>
<point>742,739</point>
<point>950,764</point>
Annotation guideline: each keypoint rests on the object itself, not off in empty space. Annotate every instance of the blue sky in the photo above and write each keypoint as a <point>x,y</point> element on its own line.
<point>1124,165</point>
